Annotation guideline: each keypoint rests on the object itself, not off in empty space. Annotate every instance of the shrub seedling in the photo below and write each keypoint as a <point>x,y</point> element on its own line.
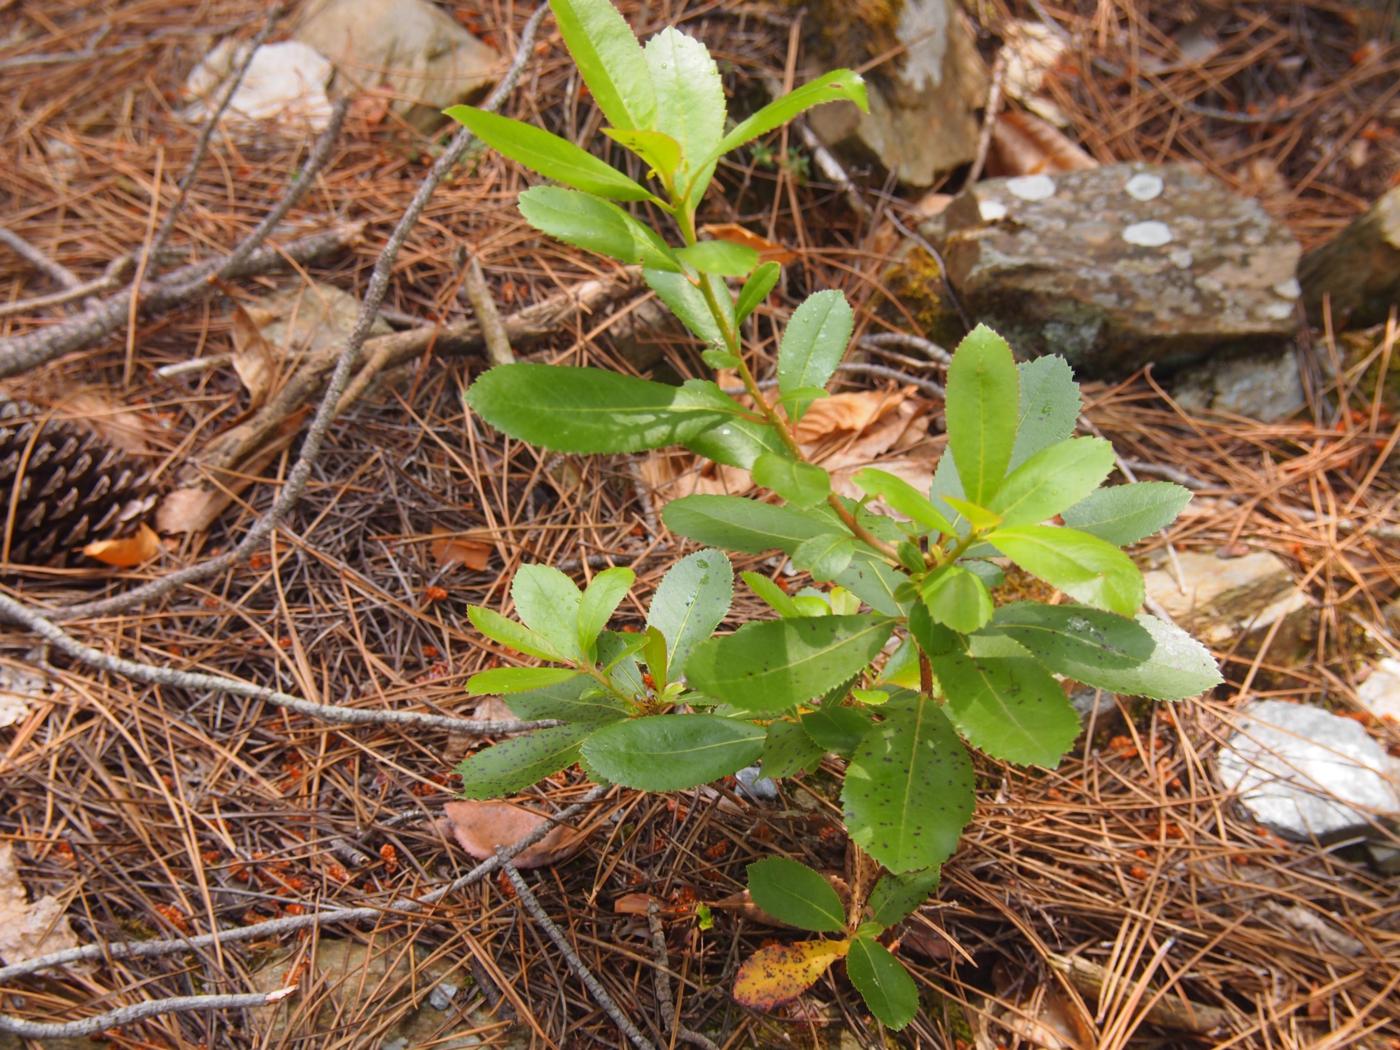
<point>677,705</point>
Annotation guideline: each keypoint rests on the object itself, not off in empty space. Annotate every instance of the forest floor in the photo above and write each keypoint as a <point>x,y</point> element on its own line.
<point>153,810</point>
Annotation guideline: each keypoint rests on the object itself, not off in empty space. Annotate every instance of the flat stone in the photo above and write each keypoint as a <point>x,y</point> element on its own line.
<point>1266,387</point>
<point>410,48</point>
<point>923,102</point>
<point>283,89</point>
<point>1226,602</point>
<point>1307,773</point>
<point>1121,266</point>
<point>1380,693</point>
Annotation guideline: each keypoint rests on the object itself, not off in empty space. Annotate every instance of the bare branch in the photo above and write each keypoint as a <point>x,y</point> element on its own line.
<point>17,613</point>
<point>37,259</point>
<point>584,974</point>
<point>180,1004</point>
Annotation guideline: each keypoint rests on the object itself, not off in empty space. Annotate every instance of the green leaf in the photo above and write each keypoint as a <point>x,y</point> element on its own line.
<point>658,151</point>
<point>1083,566</point>
<point>812,345</point>
<point>672,752</point>
<point>734,440</point>
<point>654,653</point>
<point>511,634</point>
<point>897,896</point>
<point>788,750</point>
<point>838,729</point>
<point>982,384</point>
<point>721,258</point>
<point>1011,709</point>
<point>933,638</point>
<point>548,154</point>
<point>515,764</point>
<point>589,410</point>
<point>773,596</point>
<point>801,484</point>
<point>719,359</point>
<point>756,289</point>
<point>908,789</point>
<point>600,601</point>
<point>824,557</point>
<point>689,96</point>
<point>979,517</point>
<point>839,84</point>
<point>548,602</point>
<point>692,599</point>
<point>899,495</point>
<point>956,598</point>
<point>609,59</point>
<point>596,225</point>
<point>618,652</point>
<point>774,664</point>
<point>795,894</point>
<point>1125,514</point>
<point>1141,657</point>
<point>883,982</point>
<point>742,524</point>
<point>577,700</point>
<point>517,679</point>
<point>686,301</point>
<point>874,582</point>
<point>1049,406</point>
<point>1053,479</point>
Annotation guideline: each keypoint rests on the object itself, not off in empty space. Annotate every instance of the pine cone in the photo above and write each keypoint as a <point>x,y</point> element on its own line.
<point>73,486</point>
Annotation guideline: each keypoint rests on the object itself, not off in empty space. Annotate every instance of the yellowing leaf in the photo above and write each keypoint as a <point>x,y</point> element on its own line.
<point>127,552</point>
<point>780,973</point>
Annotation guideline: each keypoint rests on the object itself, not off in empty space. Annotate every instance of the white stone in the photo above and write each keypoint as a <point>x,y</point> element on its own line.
<point>1380,693</point>
<point>1181,258</point>
<point>1150,234</point>
<point>1144,186</point>
<point>1289,289</point>
<point>1305,772</point>
<point>991,210</point>
<point>285,85</point>
<point>1032,187</point>
<point>1219,599</point>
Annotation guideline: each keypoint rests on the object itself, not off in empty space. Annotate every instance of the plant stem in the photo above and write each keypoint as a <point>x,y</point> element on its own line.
<point>771,415</point>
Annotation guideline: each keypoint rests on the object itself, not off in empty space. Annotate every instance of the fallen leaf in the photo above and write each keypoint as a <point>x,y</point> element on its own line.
<point>780,973</point>
<point>742,903</point>
<point>843,433</point>
<point>20,687</point>
<point>483,827</point>
<point>128,551</point>
<point>28,930</point>
<point>494,709</point>
<point>254,358</point>
<point>634,904</point>
<point>768,251</point>
<point>453,548</point>
<point>1023,144</point>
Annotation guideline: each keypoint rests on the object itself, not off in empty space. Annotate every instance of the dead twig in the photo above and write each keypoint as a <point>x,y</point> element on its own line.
<point>117,271</point>
<point>661,985</point>
<point>493,333</point>
<point>584,974</point>
<point>989,118</point>
<point>180,1004</point>
<point>21,353</point>
<point>206,135</point>
<point>17,613</point>
<point>37,259</point>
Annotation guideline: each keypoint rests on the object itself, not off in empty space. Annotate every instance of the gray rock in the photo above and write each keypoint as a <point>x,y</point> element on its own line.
<point>1380,693</point>
<point>1307,773</point>
<point>1262,386</point>
<point>415,51</point>
<point>922,120</point>
<point>1231,603</point>
<point>441,997</point>
<point>752,783</point>
<point>1121,266</point>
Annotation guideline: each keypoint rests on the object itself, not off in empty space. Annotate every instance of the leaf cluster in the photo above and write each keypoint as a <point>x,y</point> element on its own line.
<point>907,652</point>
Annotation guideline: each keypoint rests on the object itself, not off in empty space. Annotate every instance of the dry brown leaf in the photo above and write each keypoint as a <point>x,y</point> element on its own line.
<point>27,930</point>
<point>494,709</point>
<point>127,552</point>
<point>1023,144</point>
<point>843,433</point>
<point>483,827</point>
<point>768,251</point>
<point>119,425</point>
<point>254,358</point>
<point>453,548</point>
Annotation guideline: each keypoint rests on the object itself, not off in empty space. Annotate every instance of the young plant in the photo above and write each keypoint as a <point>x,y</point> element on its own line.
<point>677,705</point>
